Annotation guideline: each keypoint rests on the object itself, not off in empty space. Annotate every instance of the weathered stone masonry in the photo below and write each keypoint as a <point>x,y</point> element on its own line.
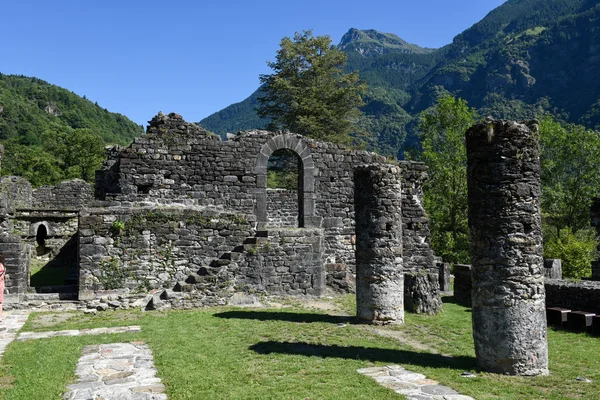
<point>209,252</point>
<point>178,162</point>
<point>509,320</point>
<point>379,275</point>
<point>24,212</point>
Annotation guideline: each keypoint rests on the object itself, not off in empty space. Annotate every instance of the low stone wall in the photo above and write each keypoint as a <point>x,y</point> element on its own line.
<point>148,248</point>
<point>68,195</point>
<point>15,192</point>
<point>282,208</point>
<point>207,254</point>
<point>286,262</point>
<point>581,296</point>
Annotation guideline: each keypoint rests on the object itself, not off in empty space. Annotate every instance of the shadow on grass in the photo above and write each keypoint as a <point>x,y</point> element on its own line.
<point>367,354</point>
<point>286,316</point>
<point>452,300</point>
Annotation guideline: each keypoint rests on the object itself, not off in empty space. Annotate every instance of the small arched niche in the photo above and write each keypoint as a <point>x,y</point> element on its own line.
<point>41,235</point>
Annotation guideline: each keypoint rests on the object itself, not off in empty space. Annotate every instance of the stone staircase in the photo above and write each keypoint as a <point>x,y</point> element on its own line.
<point>216,272</point>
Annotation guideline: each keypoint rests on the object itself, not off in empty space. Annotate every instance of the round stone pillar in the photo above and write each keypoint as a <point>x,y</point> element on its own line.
<point>508,296</point>
<point>379,274</point>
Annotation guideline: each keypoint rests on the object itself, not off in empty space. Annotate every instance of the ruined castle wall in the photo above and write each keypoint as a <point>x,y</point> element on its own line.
<point>15,192</point>
<point>60,226</point>
<point>17,256</point>
<point>286,262</point>
<point>193,249</point>
<point>282,208</point>
<point>147,248</point>
<point>67,195</point>
<point>178,162</point>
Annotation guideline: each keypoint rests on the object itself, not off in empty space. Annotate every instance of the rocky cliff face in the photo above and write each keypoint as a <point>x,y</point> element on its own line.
<point>371,43</point>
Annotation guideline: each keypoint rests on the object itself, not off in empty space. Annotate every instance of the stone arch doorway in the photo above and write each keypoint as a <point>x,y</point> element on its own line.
<point>306,179</point>
<point>42,232</point>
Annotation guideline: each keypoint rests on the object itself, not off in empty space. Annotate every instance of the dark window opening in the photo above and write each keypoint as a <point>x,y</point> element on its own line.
<point>40,238</point>
<point>144,189</point>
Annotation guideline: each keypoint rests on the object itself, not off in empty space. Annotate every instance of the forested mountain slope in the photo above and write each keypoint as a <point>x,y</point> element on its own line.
<point>524,58</point>
<point>51,134</point>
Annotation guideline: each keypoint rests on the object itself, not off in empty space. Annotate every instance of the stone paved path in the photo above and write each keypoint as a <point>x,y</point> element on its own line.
<point>116,371</point>
<point>411,384</point>
<point>12,322</point>
<point>77,332</point>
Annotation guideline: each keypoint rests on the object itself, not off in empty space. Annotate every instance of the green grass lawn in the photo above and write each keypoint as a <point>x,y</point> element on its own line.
<point>43,275</point>
<point>293,353</point>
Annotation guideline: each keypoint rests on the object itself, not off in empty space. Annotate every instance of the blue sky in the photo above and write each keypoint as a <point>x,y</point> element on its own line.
<point>138,57</point>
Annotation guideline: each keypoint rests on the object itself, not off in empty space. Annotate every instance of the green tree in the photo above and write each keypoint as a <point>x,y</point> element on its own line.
<point>31,163</point>
<point>80,151</point>
<point>570,161</point>
<point>309,92</point>
<point>442,130</point>
<point>576,250</point>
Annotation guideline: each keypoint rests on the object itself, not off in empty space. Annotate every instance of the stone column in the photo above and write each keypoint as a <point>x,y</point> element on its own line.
<point>379,275</point>
<point>508,296</point>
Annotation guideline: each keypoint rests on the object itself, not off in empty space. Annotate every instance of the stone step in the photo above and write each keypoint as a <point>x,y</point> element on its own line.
<point>244,248</point>
<point>221,262</point>
<point>49,297</point>
<point>57,289</point>
<point>262,234</point>
<point>233,256</point>
<point>256,240</point>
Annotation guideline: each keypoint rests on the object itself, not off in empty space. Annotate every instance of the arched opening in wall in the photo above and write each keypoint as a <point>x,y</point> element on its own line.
<point>40,239</point>
<point>284,189</point>
<point>53,267</point>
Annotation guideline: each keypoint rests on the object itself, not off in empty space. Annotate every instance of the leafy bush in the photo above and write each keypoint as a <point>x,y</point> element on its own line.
<point>577,250</point>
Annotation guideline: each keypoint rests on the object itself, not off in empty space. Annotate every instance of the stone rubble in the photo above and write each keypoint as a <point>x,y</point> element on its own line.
<point>123,371</point>
<point>411,384</point>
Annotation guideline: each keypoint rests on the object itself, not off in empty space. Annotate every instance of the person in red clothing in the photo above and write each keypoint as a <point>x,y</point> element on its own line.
<point>2,274</point>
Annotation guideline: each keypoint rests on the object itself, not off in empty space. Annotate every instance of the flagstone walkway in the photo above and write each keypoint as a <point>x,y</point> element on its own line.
<point>411,384</point>
<point>116,371</point>
<point>12,322</point>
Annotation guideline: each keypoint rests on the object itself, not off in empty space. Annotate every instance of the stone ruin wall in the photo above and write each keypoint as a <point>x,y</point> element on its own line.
<point>23,210</point>
<point>178,162</point>
<point>202,253</point>
<point>282,208</point>
<point>68,195</point>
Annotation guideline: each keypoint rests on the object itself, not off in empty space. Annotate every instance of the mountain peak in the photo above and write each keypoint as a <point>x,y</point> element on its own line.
<point>370,43</point>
